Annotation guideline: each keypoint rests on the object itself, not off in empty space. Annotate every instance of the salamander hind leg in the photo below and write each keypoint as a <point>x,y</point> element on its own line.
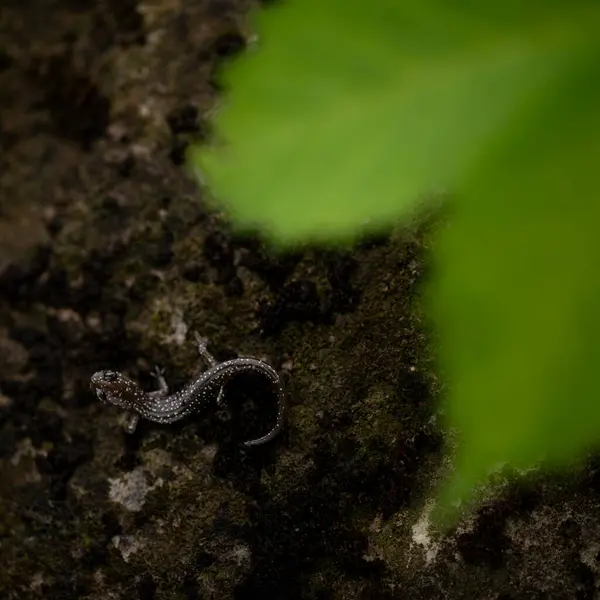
<point>163,388</point>
<point>210,360</point>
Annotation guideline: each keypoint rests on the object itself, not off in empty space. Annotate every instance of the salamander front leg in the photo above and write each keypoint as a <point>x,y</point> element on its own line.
<point>132,418</point>
<point>131,421</point>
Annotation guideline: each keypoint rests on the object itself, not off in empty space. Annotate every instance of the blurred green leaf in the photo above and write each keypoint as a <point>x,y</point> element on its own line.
<point>516,296</point>
<point>349,111</point>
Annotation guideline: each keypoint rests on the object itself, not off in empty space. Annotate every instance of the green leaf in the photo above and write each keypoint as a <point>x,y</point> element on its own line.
<point>516,297</point>
<point>349,111</point>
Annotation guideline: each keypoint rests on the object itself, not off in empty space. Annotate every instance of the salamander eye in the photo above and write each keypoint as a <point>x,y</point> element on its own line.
<point>110,376</point>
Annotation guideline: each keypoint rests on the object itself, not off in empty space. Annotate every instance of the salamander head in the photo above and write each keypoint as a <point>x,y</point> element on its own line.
<point>112,387</point>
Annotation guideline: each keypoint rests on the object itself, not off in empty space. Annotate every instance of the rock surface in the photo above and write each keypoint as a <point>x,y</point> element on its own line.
<point>109,257</point>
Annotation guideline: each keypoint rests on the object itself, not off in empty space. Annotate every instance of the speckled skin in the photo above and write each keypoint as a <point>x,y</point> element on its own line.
<point>114,388</point>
